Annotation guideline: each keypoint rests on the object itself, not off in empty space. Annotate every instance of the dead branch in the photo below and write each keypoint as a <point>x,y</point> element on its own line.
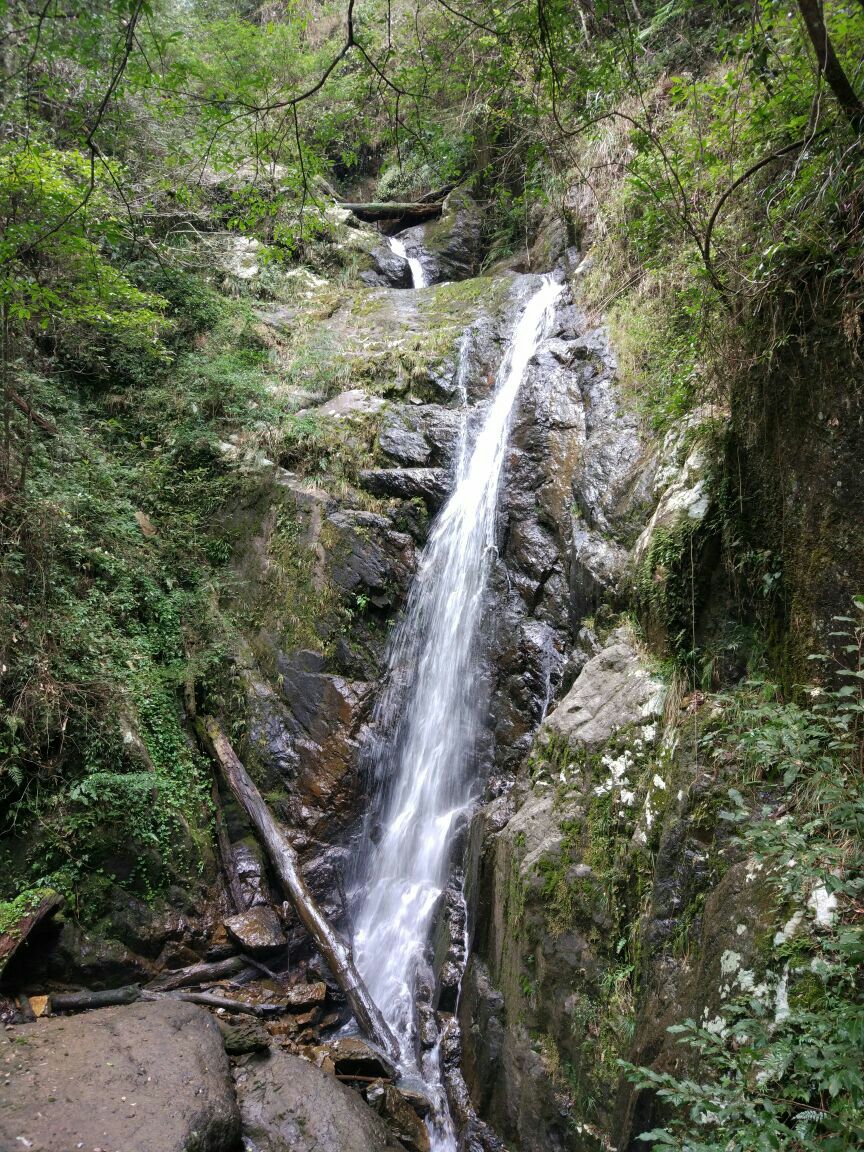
<point>287,866</point>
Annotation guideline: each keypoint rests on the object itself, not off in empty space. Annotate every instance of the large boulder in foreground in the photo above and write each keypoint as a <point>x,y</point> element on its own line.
<point>148,1078</point>
<point>289,1105</point>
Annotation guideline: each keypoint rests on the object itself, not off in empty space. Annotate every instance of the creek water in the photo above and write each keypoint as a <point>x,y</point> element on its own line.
<point>418,273</point>
<point>428,716</point>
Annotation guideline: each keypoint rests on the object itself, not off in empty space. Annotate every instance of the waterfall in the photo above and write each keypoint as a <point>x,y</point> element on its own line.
<point>418,274</point>
<point>428,716</point>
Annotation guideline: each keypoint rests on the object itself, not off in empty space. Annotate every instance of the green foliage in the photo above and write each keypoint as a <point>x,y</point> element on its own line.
<point>13,911</point>
<point>782,1067</point>
<point>54,278</point>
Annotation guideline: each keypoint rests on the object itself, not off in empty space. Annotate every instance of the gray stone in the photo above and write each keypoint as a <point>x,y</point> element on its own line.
<point>684,501</point>
<point>354,402</point>
<point>388,269</point>
<point>449,248</point>
<point>243,1034</point>
<point>289,1105</point>
<point>429,484</point>
<point>148,1077</point>
<point>614,690</point>
<point>257,931</point>
<point>403,445</point>
<point>367,556</point>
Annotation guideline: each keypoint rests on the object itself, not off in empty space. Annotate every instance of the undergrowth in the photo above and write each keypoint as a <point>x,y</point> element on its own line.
<point>781,1066</point>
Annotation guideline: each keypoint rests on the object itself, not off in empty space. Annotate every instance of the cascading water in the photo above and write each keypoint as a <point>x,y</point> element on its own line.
<point>428,717</point>
<point>418,273</point>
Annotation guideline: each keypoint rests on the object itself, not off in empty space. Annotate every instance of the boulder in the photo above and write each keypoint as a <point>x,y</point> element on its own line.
<point>288,1105</point>
<point>411,1130</point>
<point>77,956</point>
<point>614,690</point>
<point>148,1077</point>
<point>388,269</point>
<point>241,1035</point>
<point>354,402</point>
<point>257,931</point>
<point>303,996</point>
<point>352,1056</point>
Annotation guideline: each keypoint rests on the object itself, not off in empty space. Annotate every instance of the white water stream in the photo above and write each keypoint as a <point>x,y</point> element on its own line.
<point>418,274</point>
<point>428,717</point>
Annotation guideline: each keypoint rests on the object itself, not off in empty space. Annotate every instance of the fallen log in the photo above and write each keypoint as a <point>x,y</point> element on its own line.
<point>374,210</point>
<point>45,904</point>
<point>104,998</point>
<point>209,1000</point>
<point>198,974</point>
<point>287,866</point>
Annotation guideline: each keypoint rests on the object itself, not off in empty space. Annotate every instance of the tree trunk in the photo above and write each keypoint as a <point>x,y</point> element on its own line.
<point>409,213</point>
<point>104,998</point>
<point>285,861</point>
<point>212,1000</point>
<point>198,974</point>
<point>829,63</point>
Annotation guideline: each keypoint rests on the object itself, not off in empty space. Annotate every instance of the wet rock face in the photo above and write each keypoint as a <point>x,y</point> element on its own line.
<point>307,733</point>
<point>427,484</point>
<point>288,1105</point>
<point>544,939</point>
<point>153,1077</point>
<point>574,485</point>
<point>368,557</point>
<point>404,444</point>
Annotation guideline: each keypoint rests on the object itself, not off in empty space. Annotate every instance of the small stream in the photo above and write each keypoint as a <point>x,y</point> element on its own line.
<point>418,272</point>
<point>427,718</point>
